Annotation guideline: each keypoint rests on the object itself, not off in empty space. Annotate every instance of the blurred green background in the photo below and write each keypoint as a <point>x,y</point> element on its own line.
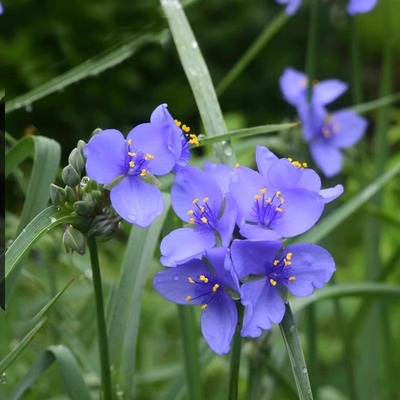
<point>42,40</point>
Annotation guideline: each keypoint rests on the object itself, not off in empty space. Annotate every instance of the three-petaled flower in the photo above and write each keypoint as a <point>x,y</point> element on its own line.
<point>209,215</point>
<point>128,165</point>
<point>283,199</point>
<point>194,283</point>
<point>327,133</point>
<point>300,268</point>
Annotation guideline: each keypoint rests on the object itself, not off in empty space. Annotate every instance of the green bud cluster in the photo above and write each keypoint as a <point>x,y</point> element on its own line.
<point>85,198</point>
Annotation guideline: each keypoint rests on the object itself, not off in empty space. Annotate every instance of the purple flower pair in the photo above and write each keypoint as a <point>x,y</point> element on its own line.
<point>354,6</point>
<point>209,283</point>
<point>327,133</point>
<point>128,165</point>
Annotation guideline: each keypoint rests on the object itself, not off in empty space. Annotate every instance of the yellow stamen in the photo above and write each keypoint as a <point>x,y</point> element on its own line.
<point>215,287</point>
<point>292,278</point>
<point>190,280</point>
<point>257,197</point>
<point>263,190</point>
<point>178,123</point>
<point>203,307</point>
<point>237,165</point>
<point>191,221</point>
<point>268,200</point>
<point>129,141</point>
<point>278,193</point>
<point>296,164</point>
<point>149,156</point>
<point>276,262</point>
<point>286,262</point>
<point>195,201</point>
<point>194,140</point>
<point>305,165</point>
<point>278,209</point>
<point>201,209</point>
<point>204,220</point>
<point>272,282</point>
<point>289,256</point>
<point>282,200</point>
<point>290,159</point>
<point>190,212</point>
<point>185,128</point>
<point>188,298</point>
<point>131,164</point>
<point>131,154</point>
<point>205,200</point>
<point>143,172</point>
<point>203,278</point>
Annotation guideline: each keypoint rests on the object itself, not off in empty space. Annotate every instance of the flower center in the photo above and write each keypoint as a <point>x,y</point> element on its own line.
<point>330,127</point>
<point>206,289</point>
<point>138,161</point>
<point>201,215</point>
<point>266,209</point>
<point>280,271</point>
<point>190,138</point>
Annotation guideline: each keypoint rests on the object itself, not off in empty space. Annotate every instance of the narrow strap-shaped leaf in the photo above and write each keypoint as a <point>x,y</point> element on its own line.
<point>240,133</point>
<point>125,301</point>
<point>329,223</point>
<point>71,374</point>
<point>42,223</point>
<point>17,350</point>
<point>366,289</point>
<point>90,68</point>
<point>375,104</point>
<point>199,78</point>
<point>20,151</point>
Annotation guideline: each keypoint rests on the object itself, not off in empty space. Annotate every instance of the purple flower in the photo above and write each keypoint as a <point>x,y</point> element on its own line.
<point>210,216</point>
<point>326,133</point>
<point>300,268</point>
<point>194,283</point>
<point>354,7</point>
<point>360,6</point>
<point>175,130</point>
<point>147,150</point>
<point>1,9</point>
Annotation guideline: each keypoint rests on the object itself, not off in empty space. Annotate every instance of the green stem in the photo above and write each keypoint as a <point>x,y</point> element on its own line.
<point>312,46</point>
<point>269,31</point>
<point>235,357</point>
<point>296,356</point>
<point>101,322</point>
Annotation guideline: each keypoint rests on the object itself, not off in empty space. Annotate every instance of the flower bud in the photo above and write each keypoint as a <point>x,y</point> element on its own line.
<point>74,240</point>
<point>76,160</point>
<point>104,226</point>
<point>80,146</point>
<point>71,197</point>
<point>83,208</point>
<point>57,195</point>
<point>70,176</point>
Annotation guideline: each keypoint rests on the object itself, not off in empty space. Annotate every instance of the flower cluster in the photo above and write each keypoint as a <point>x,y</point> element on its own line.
<point>326,132</point>
<point>231,249</point>
<point>129,166</point>
<point>353,7</point>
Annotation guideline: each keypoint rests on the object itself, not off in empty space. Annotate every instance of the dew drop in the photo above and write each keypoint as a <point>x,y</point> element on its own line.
<point>28,108</point>
<point>304,370</point>
<point>131,218</point>
<point>88,273</point>
<point>24,230</point>
<point>194,45</point>
<point>52,220</point>
<point>228,151</point>
<point>3,378</point>
<point>292,329</point>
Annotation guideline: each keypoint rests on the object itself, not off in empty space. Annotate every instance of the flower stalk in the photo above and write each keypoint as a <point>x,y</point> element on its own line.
<point>101,323</point>
<point>296,356</point>
<point>235,357</point>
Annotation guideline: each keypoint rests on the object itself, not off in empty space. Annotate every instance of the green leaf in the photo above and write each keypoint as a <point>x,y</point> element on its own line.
<point>329,223</point>
<point>366,289</point>
<point>42,223</point>
<point>71,374</point>
<point>90,68</point>
<point>125,301</point>
<point>239,133</point>
<point>199,78</point>
<point>17,350</point>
